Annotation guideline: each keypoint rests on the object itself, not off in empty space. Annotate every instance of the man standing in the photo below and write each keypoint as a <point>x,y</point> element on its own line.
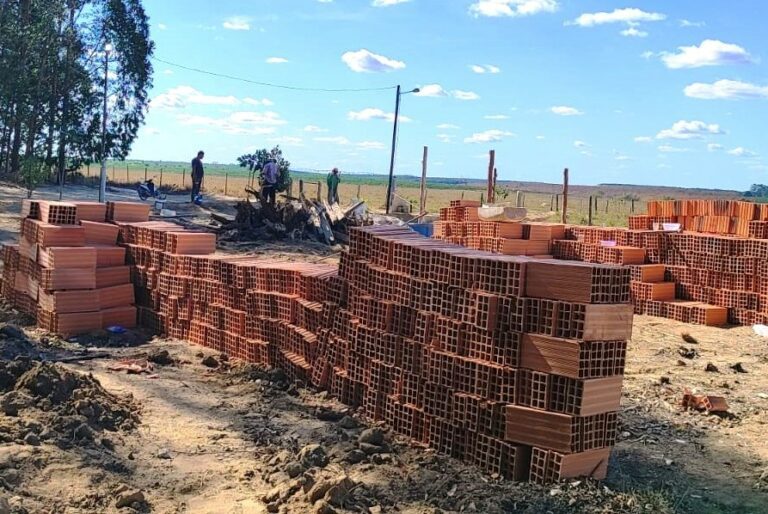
<point>333,186</point>
<point>197,174</point>
<point>269,188</point>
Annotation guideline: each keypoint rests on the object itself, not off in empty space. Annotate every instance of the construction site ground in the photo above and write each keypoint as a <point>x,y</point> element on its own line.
<point>190,431</point>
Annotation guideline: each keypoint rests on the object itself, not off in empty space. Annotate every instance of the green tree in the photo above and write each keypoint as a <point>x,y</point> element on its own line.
<point>53,64</point>
<point>32,173</point>
<point>255,162</point>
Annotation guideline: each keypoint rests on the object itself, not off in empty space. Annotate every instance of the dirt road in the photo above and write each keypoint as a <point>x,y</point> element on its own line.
<point>234,439</point>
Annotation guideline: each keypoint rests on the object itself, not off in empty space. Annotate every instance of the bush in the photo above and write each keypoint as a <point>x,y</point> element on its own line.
<point>32,172</point>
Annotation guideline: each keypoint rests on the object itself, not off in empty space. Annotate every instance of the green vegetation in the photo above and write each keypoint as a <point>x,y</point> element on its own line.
<point>256,161</point>
<point>52,64</point>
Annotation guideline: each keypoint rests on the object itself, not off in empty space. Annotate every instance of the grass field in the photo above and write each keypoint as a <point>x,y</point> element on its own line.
<point>614,201</point>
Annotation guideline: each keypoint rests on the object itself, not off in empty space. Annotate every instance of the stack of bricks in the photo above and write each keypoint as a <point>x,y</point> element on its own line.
<point>67,270</point>
<point>509,363</point>
<point>461,224</point>
<point>254,309</point>
<point>723,217</point>
<point>698,278</point>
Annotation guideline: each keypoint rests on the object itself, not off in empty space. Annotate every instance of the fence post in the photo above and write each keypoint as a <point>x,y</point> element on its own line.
<point>183,178</point>
<point>606,205</point>
<point>632,207</point>
<point>127,175</point>
<point>145,173</point>
<point>551,202</point>
<point>589,220</point>
<point>226,182</point>
<point>161,177</point>
<point>88,170</point>
<point>565,195</point>
<point>557,203</point>
<point>358,191</point>
<point>320,191</point>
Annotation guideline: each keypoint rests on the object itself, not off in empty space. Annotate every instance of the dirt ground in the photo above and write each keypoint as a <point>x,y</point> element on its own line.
<point>176,435</point>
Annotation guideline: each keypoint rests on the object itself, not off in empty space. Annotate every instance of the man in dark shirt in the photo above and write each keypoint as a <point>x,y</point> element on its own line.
<point>197,174</point>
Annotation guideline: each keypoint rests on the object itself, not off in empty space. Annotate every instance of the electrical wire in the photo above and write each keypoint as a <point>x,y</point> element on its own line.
<point>268,84</point>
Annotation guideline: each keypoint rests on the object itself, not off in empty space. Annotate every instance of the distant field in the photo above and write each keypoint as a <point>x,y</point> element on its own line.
<point>614,201</point>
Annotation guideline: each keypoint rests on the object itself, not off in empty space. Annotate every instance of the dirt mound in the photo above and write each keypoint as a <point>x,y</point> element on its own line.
<point>58,402</point>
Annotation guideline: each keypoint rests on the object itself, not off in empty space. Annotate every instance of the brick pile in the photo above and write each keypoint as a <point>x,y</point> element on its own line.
<point>460,224</point>
<point>255,309</point>
<point>509,363</point>
<point>690,277</point>
<point>67,270</point>
<point>724,217</point>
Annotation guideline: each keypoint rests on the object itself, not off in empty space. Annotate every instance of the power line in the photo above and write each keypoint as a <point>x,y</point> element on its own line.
<point>267,84</point>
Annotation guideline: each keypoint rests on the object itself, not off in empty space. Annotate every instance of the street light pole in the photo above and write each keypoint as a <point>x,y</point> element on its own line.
<point>103,176</point>
<point>394,142</point>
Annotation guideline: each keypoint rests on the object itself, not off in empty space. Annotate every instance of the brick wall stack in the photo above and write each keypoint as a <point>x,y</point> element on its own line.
<point>510,363</point>
<point>255,309</point>
<point>461,224</point>
<point>691,277</point>
<point>67,270</point>
<point>724,217</point>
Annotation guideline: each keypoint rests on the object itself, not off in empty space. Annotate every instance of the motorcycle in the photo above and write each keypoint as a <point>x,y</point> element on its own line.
<point>147,190</point>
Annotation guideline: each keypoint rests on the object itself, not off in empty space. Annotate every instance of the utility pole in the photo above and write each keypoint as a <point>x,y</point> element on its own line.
<point>565,195</point>
<point>423,191</point>
<point>394,143</point>
<point>491,192</point>
<point>103,177</point>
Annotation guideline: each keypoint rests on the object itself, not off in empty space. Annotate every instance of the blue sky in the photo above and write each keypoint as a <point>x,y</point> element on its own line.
<point>645,92</point>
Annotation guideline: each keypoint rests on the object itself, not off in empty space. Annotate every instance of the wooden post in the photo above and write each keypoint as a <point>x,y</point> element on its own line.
<point>589,220</point>
<point>606,205</point>
<point>551,202</point>
<point>632,206</point>
<point>183,178</point>
<point>145,173</point>
<point>301,188</point>
<point>226,183</point>
<point>557,203</point>
<point>518,196</point>
<point>481,198</point>
<point>319,191</point>
<point>565,195</point>
<point>161,177</point>
<point>491,184</point>
<point>423,185</point>
<point>358,191</point>
<point>88,168</point>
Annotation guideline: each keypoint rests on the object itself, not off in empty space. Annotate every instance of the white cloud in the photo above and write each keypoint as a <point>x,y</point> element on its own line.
<point>255,101</point>
<point>742,152</point>
<point>371,113</point>
<point>714,147</point>
<point>445,138</point>
<point>488,136</point>
<point>180,97</point>
<point>647,55</point>
<point>431,90</point>
<point>564,110</point>
<point>335,140</point>
<point>630,16</point>
<point>237,123</point>
<point>484,68</point>
<point>496,117</point>
<point>580,144</point>
<point>167,72</point>
<point>726,90</point>
<point>447,126</point>
<point>387,3</point>
<point>364,61</point>
<point>620,157</point>
<point>286,140</point>
<point>371,145</point>
<point>643,139</point>
<point>711,52</point>
<point>162,26</point>
<point>276,60</point>
<point>540,138</point>
<point>314,128</point>
<point>689,130</point>
<point>237,23</point>
<point>496,8</point>
<point>689,23</point>
<point>671,149</point>
<point>464,95</point>
<point>633,32</point>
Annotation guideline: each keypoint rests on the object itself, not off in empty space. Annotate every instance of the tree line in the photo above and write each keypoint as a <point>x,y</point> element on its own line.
<point>53,64</point>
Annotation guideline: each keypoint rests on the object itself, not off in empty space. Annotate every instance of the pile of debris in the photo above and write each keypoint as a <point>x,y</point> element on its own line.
<point>294,218</point>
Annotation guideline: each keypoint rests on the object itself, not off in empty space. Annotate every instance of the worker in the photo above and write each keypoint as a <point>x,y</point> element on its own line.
<point>333,186</point>
<point>197,175</point>
<point>269,187</point>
